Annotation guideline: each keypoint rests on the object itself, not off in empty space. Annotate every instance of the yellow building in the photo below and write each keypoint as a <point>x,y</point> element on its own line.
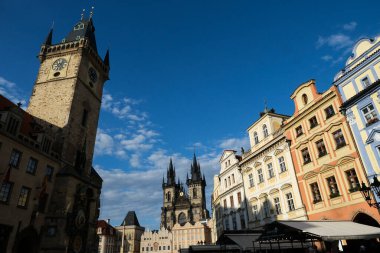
<point>326,161</point>
<point>190,234</point>
<point>269,178</point>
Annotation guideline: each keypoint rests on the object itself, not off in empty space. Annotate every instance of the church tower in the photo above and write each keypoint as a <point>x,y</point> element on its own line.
<point>196,190</point>
<point>180,205</point>
<point>67,97</point>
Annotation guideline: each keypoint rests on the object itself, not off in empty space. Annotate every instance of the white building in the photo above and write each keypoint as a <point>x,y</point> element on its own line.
<point>107,237</point>
<point>229,205</point>
<point>269,178</point>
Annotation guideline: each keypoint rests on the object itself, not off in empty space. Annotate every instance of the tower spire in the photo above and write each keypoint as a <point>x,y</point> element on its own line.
<point>49,38</point>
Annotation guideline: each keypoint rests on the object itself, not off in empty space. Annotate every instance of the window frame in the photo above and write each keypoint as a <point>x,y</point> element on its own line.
<point>6,198</point>
<point>277,205</point>
<point>255,138</point>
<point>270,171</point>
<point>251,181</point>
<point>299,131</point>
<point>290,201</point>
<point>315,192</point>
<point>329,111</point>
<point>332,185</point>
<point>340,141</point>
<point>306,155</point>
<point>24,196</point>
<point>371,112</point>
<point>260,175</point>
<point>322,151</point>
<point>11,158</point>
<point>282,164</point>
<point>265,131</point>
<point>30,170</point>
<point>313,122</point>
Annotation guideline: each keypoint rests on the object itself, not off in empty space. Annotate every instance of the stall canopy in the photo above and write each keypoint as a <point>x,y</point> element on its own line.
<point>334,230</point>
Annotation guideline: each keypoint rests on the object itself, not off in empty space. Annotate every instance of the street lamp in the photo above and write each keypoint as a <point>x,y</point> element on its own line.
<point>374,187</point>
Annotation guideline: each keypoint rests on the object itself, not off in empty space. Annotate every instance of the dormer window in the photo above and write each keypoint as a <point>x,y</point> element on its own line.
<point>265,131</point>
<point>304,99</point>
<point>256,137</point>
<point>12,126</point>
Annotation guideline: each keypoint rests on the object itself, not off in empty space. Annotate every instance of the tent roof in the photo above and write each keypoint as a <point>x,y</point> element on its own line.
<point>335,230</point>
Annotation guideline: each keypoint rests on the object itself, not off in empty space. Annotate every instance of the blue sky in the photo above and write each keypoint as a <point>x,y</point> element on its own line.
<point>185,76</point>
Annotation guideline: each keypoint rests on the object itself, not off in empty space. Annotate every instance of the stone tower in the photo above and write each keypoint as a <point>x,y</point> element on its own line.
<point>67,97</point>
<point>181,205</point>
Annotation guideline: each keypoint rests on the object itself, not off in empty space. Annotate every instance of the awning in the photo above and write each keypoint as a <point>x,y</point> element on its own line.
<point>245,241</point>
<point>335,230</point>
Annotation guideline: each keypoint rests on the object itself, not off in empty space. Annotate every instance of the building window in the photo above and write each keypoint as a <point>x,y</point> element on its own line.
<point>339,139</point>
<point>232,201</point>
<point>305,156</point>
<point>250,177</point>
<point>255,137</point>
<point>24,197</point>
<point>329,111</point>
<point>333,187</point>
<point>49,172</point>
<point>255,212</point>
<point>316,193</point>
<point>313,122</point>
<point>225,183</point>
<point>304,99</point>
<point>321,148</point>
<point>270,170</point>
<point>277,205</point>
<point>12,126</point>
<point>227,224</point>
<point>84,117</point>
<point>225,203</point>
<point>365,82</point>
<point>229,181</point>
<point>195,193</point>
<point>353,180</point>
<point>233,178</point>
<point>289,199</point>
<point>281,161</point>
<point>266,208</point>
<point>239,197</point>
<point>370,114</point>
<point>46,143</point>
<point>299,131</point>
<point>261,177</point>
<point>265,131</point>
<point>242,221</point>
<point>5,192</point>
<point>15,158</point>
<point>31,167</point>
<point>234,224</point>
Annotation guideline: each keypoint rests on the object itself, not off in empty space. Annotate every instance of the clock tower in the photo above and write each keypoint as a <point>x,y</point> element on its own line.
<point>66,98</point>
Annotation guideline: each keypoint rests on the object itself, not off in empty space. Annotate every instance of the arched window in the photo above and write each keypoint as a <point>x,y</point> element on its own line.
<point>265,131</point>
<point>182,218</point>
<point>304,99</point>
<point>168,196</point>
<point>195,193</point>
<point>255,137</point>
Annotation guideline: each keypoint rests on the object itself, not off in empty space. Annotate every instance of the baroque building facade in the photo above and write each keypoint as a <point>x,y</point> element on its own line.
<point>269,178</point>
<point>107,235</point>
<point>325,157</point>
<point>49,188</point>
<point>359,86</point>
<point>229,206</point>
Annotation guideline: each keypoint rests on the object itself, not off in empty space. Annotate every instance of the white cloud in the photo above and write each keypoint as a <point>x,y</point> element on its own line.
<point>336,41</point>
<point>234,143</point>
<point>104,143</point>
<point>10,90</point>
<point>350,26</point>
<point>122,108</point>
<point>327,57</point>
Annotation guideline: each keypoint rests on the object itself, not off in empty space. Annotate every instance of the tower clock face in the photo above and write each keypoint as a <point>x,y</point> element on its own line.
<point>59,64</point>
<point>92,74</point>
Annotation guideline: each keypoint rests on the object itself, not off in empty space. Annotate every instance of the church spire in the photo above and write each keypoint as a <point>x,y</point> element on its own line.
<point>49,38</point>
<point>171,173</point>
<point>107,59</point>
<point>195,170</point>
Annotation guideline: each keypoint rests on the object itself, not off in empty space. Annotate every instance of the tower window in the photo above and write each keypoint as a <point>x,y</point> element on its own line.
<point>84,117</point>
<point>304,99</point>
<point>265,131</point>
<point>255,137</point>
<point>195,193</point>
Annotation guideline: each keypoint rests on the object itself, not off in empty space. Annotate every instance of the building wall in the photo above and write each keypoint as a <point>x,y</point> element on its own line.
<point>268,194</point>
<point>190,234</point>
<point>337,171</point>
<point>232,211</point>
<point>157,241</point>
<point>132,238</point>
<point>363,64</point>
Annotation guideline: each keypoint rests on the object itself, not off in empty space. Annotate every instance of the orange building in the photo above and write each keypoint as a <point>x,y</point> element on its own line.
<point>325,157</point>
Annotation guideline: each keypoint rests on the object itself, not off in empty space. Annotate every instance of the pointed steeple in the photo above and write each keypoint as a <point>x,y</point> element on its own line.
<point>49,38</point>
<point>83,30</point>
<point>171,173</point>
<point>195,170</point>
<point>107,59</point>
